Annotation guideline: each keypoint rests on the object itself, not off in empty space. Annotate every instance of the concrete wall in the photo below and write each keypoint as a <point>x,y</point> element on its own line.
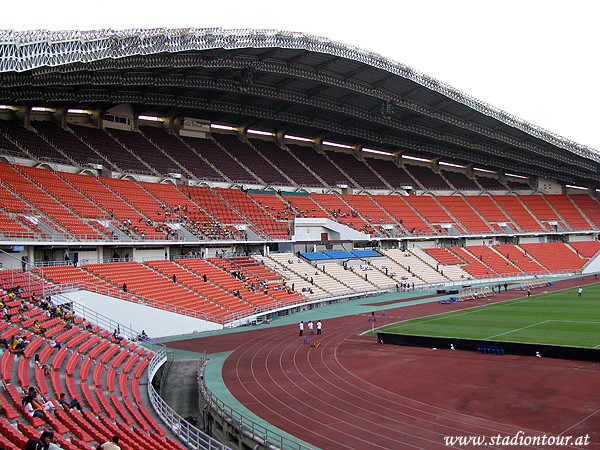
<point>156,323</point>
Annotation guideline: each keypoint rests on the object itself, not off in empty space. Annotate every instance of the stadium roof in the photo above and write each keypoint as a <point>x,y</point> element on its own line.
<point>284,82</point>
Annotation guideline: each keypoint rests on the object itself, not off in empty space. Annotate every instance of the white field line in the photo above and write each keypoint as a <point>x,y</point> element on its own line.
<point>518,329</point>
<point>540,323</point>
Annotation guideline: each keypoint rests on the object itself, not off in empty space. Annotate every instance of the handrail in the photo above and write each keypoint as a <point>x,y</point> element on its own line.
<point>187,433</point>
<point>263,436</point>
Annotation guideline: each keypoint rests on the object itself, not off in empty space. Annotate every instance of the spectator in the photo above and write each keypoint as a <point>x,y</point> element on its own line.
<point>32,409</point>
<point>43,443</point>
<point>74,403</point>
<point>111,445</point>
<point>54,344</point>
<point>116,336</point>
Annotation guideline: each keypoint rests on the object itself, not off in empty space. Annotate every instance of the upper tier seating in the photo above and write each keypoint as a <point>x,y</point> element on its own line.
<point>286,163</point>
<point>358,170</point>
<point>181,153</point>
<point>428,178</point>
<point>9,227</point>
<point>390,172</point>
<point>518,184</point>
<point>52,183</point>
<point>588,205</point>
<point>146,151</point>
<point>215,155</point>
<point>67,142</point>
<point>210,202</point>
<point>117,209</point>
<point>110,149</point>
<point>7,147</point>
<point>320,165</point>
<point>490,184</point>
<point>253,161</point>
<point>370,210</point>
<point>31,142</point>
<point>460,181</point>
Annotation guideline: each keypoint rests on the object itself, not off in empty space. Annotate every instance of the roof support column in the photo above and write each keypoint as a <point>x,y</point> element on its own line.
<point>318,146</point>
<point>242,134</point>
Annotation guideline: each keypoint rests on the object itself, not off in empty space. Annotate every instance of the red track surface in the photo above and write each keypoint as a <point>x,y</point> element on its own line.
<point>352,393</point>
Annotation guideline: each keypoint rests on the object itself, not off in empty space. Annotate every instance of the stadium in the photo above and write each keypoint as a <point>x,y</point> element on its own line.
<point>174,202</point>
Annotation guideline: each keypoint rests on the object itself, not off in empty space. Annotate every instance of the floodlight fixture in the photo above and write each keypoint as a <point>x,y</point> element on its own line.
<point>379,152</point>
<point>335,144</point>
<point>415,158</point>
<point>297,138</point>
<point>222,127</point>
<point>259,132</point>
<point>150,118</point>
<point>444,163</point>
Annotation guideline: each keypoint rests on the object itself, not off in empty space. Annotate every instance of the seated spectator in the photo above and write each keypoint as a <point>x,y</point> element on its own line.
<point>39,365</point>
<point>116,336</point>
<point>34,409</point>
<point>111,445</point>
<point>143,336</point>
<point>86,325</point>
<point>5,342</point>
<point>37,328</point>
<point>74,403</point>
<point>52,343</point>
<point>43,443</point>
<point>18,345</point>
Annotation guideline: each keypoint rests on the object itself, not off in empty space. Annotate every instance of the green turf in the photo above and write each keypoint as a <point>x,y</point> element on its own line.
<point>559,318</point>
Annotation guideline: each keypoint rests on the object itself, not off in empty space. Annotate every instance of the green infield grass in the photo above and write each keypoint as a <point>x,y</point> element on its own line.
<point>556,318</point>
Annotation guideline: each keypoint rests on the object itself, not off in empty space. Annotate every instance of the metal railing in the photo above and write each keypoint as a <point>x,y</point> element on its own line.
<point>187,433</point>
<point>263,436</point>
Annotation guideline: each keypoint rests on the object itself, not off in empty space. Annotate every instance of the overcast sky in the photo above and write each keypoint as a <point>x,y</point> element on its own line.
<point>537,60</point>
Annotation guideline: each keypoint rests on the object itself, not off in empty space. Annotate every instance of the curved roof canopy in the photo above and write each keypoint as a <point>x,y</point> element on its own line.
<point>285,82</point>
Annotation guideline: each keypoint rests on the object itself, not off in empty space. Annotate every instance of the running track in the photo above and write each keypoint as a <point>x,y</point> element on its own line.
<point>352,393</point>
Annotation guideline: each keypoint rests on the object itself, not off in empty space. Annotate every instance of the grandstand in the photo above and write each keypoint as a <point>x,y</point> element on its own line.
<point>226,178</point>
